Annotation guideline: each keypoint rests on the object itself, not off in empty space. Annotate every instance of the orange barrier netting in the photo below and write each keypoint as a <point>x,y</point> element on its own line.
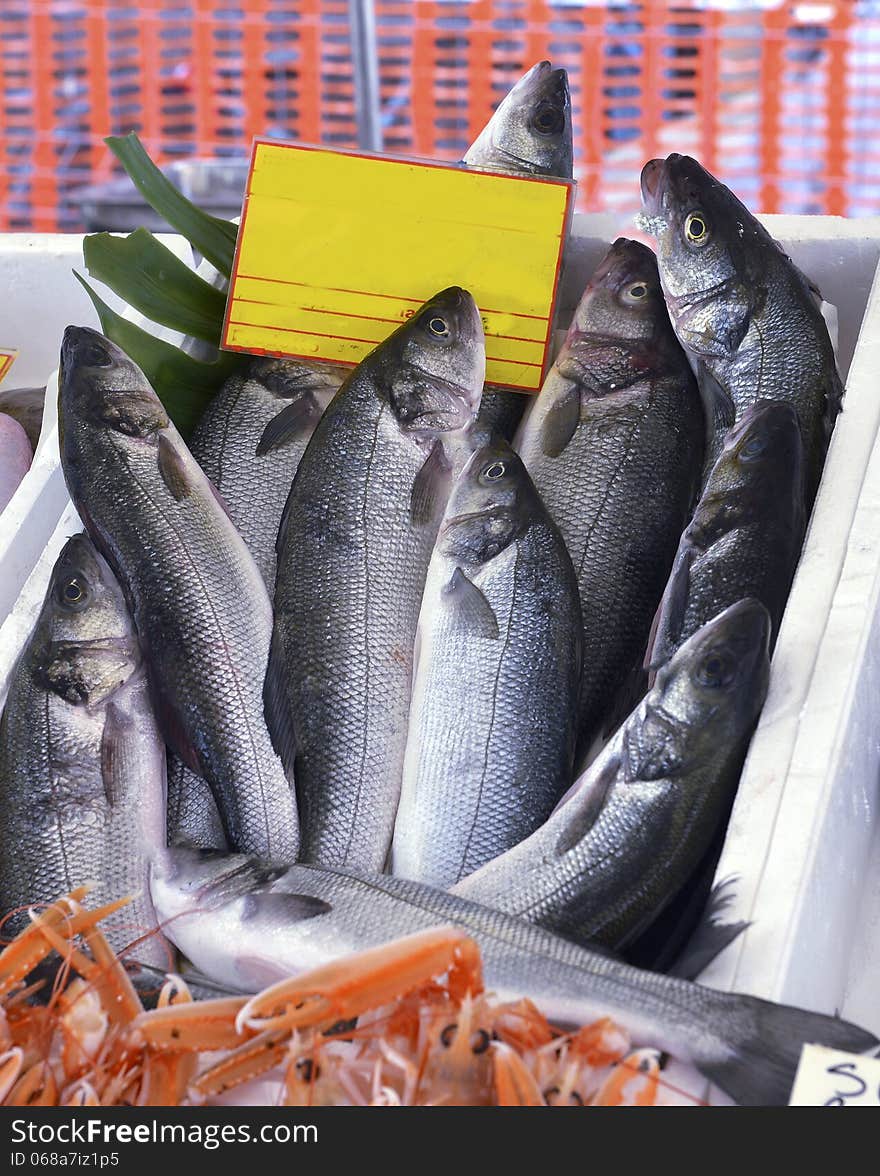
<point>780,99</point>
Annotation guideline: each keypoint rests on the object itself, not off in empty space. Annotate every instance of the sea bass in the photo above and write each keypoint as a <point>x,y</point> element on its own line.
<point>491,729</point>
<point>353,553</point>
<point>614,445</point>
<point>637,824</point>
<point>246,926</point>
<point>82,763</point>
<point>745,314</point>
<point>199,604</point>
<point>251,437</point>
<point>529,134</point>
<point>746,534</point>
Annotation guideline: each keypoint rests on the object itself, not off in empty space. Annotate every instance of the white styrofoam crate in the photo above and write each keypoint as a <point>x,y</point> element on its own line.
<point>43,297</point>
<point>803,839</point>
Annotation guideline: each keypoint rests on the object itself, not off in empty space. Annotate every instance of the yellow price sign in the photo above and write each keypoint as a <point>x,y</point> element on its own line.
<point>337,248</point>
<point>8,356</point>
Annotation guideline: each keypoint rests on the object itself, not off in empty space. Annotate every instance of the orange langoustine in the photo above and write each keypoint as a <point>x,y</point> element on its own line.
<point>407,1024</point>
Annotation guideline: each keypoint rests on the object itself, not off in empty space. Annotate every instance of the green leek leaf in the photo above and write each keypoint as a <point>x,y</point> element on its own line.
<point>212,237</point>
<point>154,281</point>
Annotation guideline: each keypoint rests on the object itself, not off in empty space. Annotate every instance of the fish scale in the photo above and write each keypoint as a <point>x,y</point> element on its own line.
<point>199,604</point>
<point>82,775</point>
<point>614,444</point>
<point>491,726</point>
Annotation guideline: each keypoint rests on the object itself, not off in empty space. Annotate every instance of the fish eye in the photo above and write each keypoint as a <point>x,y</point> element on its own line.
<point>716,670</point>
<point>696,228</point>
<point>753,448</point>
<point>496,470</point>
<point>94,355</point>
<point>548,120</point>
<point>73,591</point>
<point>637,292</point>
<point>438,327</point>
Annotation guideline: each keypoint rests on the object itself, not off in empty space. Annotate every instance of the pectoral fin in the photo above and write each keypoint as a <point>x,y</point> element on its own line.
<point>297,419</point>
<point>431,487</point>
<point>473,611</point>
<point>561,421</point>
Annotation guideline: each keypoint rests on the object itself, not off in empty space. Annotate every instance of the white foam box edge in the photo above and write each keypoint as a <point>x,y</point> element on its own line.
<point>44,297</point>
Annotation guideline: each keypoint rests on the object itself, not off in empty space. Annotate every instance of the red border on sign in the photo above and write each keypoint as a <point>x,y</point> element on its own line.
<point>408,161</point>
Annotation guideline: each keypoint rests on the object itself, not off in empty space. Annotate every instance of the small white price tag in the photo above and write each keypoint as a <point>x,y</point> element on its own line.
<point>833,1078</point>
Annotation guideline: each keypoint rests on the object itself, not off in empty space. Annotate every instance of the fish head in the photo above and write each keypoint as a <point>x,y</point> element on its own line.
<point>623,299</point>
<point>434,365</point>
<point>530,132</point>
<point>289,379</point>
<point>491,504</point>
<point>85,635</point>
<point>99,384</point>
<point>711,691</point>
<point>763,446</point>
<point>711,271</point>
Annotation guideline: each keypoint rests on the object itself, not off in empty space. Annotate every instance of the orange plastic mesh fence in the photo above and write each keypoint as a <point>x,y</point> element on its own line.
<point>778,97</point>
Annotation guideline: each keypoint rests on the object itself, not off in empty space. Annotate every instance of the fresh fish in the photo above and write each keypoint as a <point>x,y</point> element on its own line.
<point>746,534</point>
<point>530,131</point>
<point>748,318</point>
<point>246,926</point>
<point>636,825</point>
<point>353,553</point>
<point>16,456</point>
<point>251,437</point>
<point>82,764</point>
<point>25,405</point>
<point>614,445</point>
<point>200,607</point>
<point>491,729</point>
<point>529,134</point>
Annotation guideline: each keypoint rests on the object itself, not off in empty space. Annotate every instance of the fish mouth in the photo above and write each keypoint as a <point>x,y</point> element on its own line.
<point>653,184</point>
<point>495,510</point>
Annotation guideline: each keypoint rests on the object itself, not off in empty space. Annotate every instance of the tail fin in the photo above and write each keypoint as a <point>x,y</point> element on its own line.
<point>765,1043</point>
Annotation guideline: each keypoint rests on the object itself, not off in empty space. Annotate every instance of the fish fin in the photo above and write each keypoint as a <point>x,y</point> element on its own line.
<point>763,1044</point>
<point>116,733</point>
<point>283,907</point>
<point>173,469</point>
<point>717,402</point>
<point>561,421</point>
<point>669,618</point>
<point>474,610</point>
<point>295,420</point>
<point>431,487</point>
<point>588,796</point>
<point>276,710</point>
<point>710,937</point>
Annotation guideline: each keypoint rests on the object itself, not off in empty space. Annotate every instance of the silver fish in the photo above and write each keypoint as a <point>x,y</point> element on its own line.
<point>251,437</point>
<point>614,445</point>
<point>636,825</point>
<point>529,134</point>
<point>193,817</point>
<point>353,553</point>
<point>491,729</point>
<point>199,604</point>
<point>749,319</point>
<point>245,926</point>
<point>82,763</point>
<point>746,534</point>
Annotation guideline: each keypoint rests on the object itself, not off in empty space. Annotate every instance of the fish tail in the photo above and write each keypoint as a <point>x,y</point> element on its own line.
<point>764,1048</point>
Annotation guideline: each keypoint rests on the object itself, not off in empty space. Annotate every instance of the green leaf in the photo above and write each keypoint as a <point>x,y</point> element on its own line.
<point>150,278</point>
<point>183,384</point>
<point>212,237</point>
